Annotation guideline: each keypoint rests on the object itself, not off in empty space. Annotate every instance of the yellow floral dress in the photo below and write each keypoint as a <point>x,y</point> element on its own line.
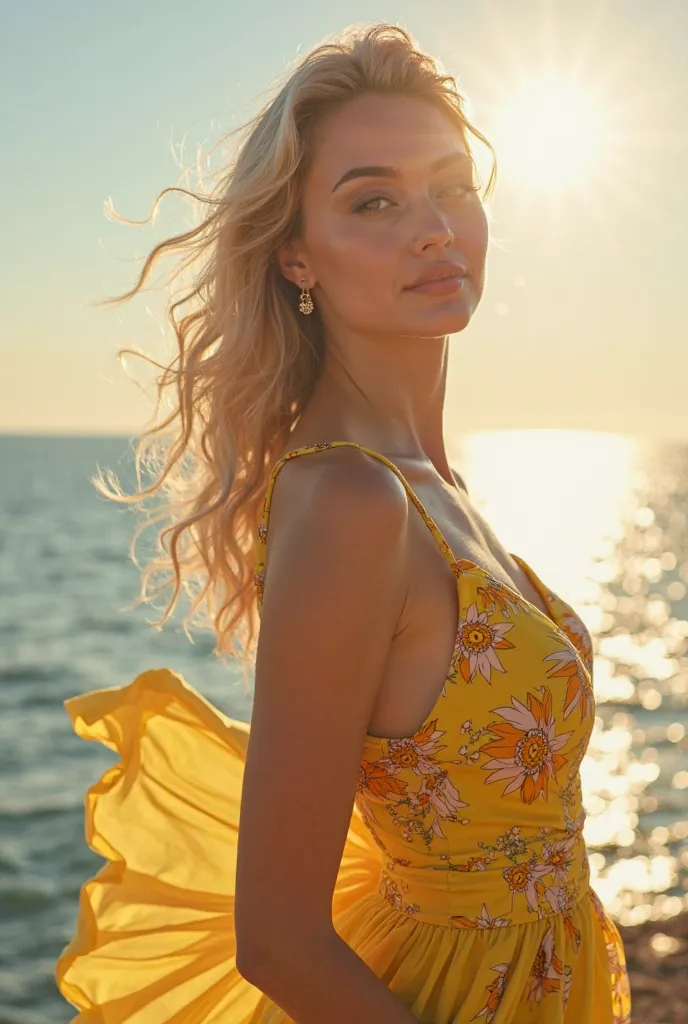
<point>464,881</point>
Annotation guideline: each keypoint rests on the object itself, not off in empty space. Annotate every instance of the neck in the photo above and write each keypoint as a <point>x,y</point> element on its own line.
<point>386,396</point>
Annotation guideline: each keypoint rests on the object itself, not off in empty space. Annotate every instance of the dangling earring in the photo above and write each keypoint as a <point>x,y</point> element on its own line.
<point>306,302</point>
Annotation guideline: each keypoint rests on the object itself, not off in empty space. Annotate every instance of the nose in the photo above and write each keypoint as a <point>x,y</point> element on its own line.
<point>433,228</point>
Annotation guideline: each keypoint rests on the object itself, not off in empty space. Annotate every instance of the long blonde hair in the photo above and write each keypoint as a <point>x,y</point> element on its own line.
<point>247,361</point>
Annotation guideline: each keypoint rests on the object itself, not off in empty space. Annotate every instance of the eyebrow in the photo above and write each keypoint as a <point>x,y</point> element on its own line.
<point>376,171</point>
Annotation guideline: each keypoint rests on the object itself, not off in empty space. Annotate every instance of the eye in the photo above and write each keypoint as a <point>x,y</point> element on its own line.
<point>364,205</point>
<point>463,186</point>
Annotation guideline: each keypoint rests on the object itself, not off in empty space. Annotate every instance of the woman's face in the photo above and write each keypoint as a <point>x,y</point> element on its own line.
<point>390,193</point>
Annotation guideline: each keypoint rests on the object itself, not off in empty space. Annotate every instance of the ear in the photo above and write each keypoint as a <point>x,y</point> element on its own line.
<point>289,259</point>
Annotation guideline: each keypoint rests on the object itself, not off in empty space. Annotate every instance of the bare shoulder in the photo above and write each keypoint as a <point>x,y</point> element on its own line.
<point>334,589</point>
<point>335,485</point>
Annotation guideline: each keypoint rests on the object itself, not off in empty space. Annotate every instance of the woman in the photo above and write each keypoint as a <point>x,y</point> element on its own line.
<point>409,840</point>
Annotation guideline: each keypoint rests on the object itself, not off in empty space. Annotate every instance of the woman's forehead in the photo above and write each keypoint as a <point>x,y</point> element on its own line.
<point>399,132</point>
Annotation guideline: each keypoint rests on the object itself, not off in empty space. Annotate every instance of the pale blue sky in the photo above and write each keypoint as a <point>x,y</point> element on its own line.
<point>583,321</point>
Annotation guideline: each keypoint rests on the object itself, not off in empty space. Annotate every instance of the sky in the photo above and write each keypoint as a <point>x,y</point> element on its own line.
<point>583,321</point>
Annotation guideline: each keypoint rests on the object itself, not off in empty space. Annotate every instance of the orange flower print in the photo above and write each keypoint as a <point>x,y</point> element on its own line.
<point>484,921</point>
<point>438,791</point>
<point>568,981</point>
<point>525,878</point>
<point>546,972</point>
<point>495,991</point>
<point>526,755</point>
<point>477,643</point>
<point>377,782</point>
<point>390,891</point>
<point>621,993</point>
<point>559,897</point>
<point>472,864</point>
<point>497,595</point>
<point>572,933</point>
<point>579,689</point>
<point>580,637</point>
<point>416,753</point>
<point>558,856</point>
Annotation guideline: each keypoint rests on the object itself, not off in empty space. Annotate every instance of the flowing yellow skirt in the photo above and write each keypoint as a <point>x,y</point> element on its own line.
<point>154,942</point>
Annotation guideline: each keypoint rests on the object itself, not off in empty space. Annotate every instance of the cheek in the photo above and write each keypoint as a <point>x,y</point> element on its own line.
<point>354,252</point>
<point>472,237</point>
<point>356,269</point>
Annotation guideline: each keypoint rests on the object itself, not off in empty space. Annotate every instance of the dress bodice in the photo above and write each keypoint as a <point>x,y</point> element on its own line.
<point>478,815</point>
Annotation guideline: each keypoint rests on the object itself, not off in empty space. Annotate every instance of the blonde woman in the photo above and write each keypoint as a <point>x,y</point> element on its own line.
<point>398,836</point>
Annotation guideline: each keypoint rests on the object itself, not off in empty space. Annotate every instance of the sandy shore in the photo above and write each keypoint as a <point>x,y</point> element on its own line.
<point>657,958</point>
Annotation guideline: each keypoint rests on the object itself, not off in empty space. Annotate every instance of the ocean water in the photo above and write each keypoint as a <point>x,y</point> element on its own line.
<point>602,518</point>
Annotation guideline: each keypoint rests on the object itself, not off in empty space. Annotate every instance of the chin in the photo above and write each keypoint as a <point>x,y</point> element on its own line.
<point>446,315</point>
<point>439,321</point>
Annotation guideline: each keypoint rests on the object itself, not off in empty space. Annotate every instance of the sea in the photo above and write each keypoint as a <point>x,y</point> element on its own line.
<point>601,517</point>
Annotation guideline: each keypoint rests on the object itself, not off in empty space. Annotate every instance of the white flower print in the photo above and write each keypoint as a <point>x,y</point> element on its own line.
<point>477,643</point>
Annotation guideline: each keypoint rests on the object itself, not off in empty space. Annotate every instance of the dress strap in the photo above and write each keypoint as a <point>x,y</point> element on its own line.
<point>323,446</point>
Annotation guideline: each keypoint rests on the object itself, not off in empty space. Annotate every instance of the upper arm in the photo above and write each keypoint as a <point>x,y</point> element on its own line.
<point>333,595</point>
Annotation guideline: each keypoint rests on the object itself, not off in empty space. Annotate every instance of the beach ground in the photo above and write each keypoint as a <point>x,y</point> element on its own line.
<point>657,959</point>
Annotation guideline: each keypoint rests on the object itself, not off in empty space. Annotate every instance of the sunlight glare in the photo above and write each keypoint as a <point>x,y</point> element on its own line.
<point>548,134</point>
<point>557,498</point>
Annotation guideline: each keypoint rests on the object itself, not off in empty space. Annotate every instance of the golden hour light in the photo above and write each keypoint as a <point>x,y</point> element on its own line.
<point>369,597</point>
<point>549,133</point>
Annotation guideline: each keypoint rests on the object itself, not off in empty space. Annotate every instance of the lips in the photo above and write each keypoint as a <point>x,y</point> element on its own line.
<point>438,272</point>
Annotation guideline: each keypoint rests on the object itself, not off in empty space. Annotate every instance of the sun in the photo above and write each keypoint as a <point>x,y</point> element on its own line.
<point>548,134</point>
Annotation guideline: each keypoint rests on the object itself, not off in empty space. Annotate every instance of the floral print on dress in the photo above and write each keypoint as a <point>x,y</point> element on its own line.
<point>495,991</point>
<point>558,856</point>
<point>526,755</point>
<point>495,595</point>
<point>576,631</point>
<point>389,890</point>
<point>377,781</point>
<point>617,963</point>
<point>523,878</point>
<point>546,973</point>
<point>418,808</point>
<point>485,920</point>
<point>477,643</point>
<point>478,815</point>
<point>418,753</point>
<point>579,687</point>
<point>543,874</point>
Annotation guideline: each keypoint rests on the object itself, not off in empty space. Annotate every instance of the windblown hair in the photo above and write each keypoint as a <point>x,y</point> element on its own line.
<point>247,361</point>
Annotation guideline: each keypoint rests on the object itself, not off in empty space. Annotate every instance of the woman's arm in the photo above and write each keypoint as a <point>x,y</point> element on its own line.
<point>334,590</point>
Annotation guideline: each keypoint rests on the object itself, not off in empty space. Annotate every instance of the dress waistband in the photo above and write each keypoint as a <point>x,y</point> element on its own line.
<point>484,893</point>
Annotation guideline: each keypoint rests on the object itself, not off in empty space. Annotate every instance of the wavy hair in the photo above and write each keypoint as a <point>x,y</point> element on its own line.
<point>246,361</point>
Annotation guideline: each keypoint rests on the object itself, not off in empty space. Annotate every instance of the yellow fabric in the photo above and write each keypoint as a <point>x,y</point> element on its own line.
<point>464,881</point>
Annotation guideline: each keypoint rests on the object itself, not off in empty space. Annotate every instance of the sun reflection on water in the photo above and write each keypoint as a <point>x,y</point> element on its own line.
<point>603,521</point>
